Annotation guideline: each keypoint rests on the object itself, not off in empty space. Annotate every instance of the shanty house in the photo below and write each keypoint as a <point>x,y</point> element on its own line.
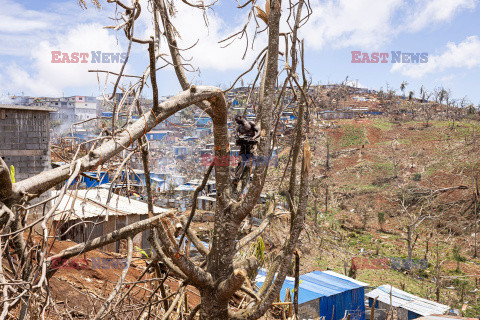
<point>91,208</point>
<point>407,305</point>
<point>160,135</point>
<point>189,187</point>
<point>336,114</point>
<point>325,294</point>
<point>182,151</point>
<point>206,203</point>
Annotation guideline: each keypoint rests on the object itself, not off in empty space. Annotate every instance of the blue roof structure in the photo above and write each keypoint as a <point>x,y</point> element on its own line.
<point>335,293</point>
<point>156,135</point>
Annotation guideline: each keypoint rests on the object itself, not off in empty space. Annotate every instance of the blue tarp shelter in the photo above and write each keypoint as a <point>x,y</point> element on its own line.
<point>92,179</point>
<point>181,150</point>
<point>331,294</point>
<point>159,182</point>
<point>156,135</point>
<point>203,121</point>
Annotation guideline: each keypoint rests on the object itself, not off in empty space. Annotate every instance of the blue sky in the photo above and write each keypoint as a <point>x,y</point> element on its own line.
<point>448,30</point>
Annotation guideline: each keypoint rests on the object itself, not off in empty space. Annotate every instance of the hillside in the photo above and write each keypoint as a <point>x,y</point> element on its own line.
<point>437,164</point>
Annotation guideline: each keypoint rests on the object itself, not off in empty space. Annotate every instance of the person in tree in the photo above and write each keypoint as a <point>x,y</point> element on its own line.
<point>247,133</point>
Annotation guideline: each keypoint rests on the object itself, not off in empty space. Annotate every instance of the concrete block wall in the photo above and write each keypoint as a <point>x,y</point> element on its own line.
<point>25,141</point>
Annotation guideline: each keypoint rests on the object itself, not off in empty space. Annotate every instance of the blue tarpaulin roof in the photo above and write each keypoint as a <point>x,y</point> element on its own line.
<point>90,179</point>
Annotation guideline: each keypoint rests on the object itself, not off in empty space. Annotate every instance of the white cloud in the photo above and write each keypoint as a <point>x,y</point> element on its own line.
<point>427,12</point>
<point>31,37</point>
<point>208,53</point>
<point>462,55</point>
<point>21,27</point>
<point>47,78</point>
<point>365,24</point>
<point>371,24</point>
<point>15,19</point>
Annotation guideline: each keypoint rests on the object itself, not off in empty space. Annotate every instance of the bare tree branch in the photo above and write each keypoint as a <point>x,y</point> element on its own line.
<point>122,233</point>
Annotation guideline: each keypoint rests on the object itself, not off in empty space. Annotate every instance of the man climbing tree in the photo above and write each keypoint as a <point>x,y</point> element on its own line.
<point>246,137</point>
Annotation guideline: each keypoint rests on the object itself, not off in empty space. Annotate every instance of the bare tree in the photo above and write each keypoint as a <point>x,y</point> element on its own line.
<point>476,194</point>
<point>413,204</point>
<point>394,158</point>
<point>403,86</point>
<point>222,274</point>
<point>426,107</point>
<point>440,257</point>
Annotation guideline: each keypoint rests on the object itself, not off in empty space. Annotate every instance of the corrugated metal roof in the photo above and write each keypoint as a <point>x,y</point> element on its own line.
<point>314,285</point>
<point>92,203</point>
<point>186,187</point>
<point>207,198</point>
<point>197,182</point>
<point>31,108</point>
<point>339,275</point>
<point>327,284</point>
<point>407,301</point>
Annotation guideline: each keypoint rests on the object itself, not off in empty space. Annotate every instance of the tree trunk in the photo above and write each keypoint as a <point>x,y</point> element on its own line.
<point>437,280</point>
<point>426,249</point>
<point>395,173</point>
<point>409,245</point>
<point>297,283</point>
<point>365,220</point>
<point>327,164</point>
<point>475,255</point>
<point>326,199</point>
<point>212,308</point>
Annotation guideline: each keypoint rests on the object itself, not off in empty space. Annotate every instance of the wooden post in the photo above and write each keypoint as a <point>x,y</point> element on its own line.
<point>372,310</point>
<point>297,283</point>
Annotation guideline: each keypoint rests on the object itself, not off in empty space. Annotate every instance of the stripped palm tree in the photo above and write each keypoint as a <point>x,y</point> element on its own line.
<point>403,86</point>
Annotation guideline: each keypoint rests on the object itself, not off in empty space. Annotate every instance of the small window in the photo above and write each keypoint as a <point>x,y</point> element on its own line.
<point>3,115</point>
